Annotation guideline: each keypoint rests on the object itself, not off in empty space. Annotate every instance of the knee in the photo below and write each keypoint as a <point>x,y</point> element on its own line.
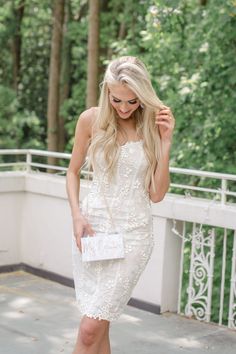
<point>89,332</point>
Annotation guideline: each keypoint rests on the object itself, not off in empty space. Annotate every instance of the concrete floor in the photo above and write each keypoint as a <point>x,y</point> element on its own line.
<point>39,316</point>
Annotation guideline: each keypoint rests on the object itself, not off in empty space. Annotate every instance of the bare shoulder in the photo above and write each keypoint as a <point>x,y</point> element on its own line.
<point>89,114</point>
<point>86,121</point>
<point>87,117</point>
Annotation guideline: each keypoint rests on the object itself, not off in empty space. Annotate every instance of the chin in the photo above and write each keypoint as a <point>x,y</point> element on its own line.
<point>124,116</point>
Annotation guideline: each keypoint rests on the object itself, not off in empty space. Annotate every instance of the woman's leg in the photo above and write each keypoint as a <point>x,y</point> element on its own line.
<point>90,335</point>
<point>105,347</point>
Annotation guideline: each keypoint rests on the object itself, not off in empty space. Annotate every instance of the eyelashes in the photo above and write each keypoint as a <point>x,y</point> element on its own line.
<point>118,101</point>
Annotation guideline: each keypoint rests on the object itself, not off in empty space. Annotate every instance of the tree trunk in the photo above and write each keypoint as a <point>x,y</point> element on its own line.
<point>203,2</point>
<point>93,54</point>
<point>122,30</point>
<point>54,78</point>
<point>16,43</point>
<point>65,77</point>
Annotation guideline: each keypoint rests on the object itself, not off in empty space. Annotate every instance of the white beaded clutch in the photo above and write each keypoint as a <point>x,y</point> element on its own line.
<point>102,247</point>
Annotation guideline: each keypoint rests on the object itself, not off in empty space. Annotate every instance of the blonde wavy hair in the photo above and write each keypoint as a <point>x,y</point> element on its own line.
<point>132,72</point>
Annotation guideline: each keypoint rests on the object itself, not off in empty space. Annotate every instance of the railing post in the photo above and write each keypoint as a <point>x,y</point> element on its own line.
<point>223,190</point>
<point>232,300</point>
<point>28,161</point>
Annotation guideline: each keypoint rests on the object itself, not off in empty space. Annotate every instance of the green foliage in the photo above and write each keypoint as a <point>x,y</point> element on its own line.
<point>18,129</point>
<point>6,31</point>
<point>36,38</point>
<point>189,50</point>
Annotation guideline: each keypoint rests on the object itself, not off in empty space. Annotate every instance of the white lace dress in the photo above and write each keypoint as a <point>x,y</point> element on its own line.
<point>103,288</point>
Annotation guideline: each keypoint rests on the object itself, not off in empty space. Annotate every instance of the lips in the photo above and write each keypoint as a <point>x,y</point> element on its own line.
<point>123,112</point>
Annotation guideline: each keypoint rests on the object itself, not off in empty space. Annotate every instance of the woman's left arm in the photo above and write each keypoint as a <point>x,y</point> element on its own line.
<point>165,122</point>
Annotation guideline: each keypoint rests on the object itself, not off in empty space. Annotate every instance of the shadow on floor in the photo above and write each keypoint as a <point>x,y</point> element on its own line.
<point>39,316</point>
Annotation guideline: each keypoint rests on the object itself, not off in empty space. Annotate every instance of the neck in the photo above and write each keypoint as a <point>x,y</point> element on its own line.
<point>127,124</point>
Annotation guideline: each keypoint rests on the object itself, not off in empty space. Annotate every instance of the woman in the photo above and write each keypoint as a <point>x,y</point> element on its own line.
<point>127,140</point>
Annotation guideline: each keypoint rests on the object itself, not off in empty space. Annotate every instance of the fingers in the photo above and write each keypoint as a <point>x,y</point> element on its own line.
<point>82,228</point>
<point>78,242</point>
<point>89,230</point>
<point>165,117</point>
<point>166,124</point>
<point>165,113</point>
<point>163,120</point>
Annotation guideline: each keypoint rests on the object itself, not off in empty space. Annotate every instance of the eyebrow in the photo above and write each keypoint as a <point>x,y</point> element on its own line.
<point>133,99</point>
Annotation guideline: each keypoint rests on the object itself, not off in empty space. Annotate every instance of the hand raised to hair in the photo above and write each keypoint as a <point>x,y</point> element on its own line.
<point>165,122</point>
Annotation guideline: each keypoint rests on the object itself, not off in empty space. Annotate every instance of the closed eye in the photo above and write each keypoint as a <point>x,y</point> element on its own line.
<point>115,100</point>
<point>118,101</point>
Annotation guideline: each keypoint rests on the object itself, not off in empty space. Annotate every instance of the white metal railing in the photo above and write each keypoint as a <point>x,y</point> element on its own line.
<point>223,177</point>
<point>199,240</point>
<point>196,299</point>
<point>29,154</point>
<point>28,165</point>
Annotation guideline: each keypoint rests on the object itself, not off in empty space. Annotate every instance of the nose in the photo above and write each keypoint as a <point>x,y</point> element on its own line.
<point>124,107</point>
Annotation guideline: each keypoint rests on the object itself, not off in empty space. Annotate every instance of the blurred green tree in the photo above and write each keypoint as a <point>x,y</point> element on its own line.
<point>188,46</point>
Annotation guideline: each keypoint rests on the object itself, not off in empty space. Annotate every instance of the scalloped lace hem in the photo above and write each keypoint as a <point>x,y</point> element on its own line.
<point>99,316</point>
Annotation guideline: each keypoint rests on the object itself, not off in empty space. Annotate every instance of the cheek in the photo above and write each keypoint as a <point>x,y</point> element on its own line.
<point>134,107</point>
<point>113,104</point>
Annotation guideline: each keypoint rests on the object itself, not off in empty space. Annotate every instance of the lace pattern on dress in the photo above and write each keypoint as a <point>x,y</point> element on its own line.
<point>103,288</point>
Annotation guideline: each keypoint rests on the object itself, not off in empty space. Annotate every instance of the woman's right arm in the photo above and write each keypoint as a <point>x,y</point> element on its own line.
<point>81,143</point>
